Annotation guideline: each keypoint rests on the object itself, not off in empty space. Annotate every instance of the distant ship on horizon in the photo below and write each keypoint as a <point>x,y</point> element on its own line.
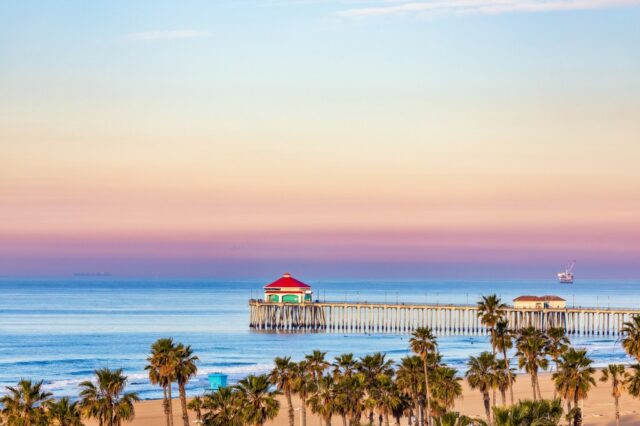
<point>566,277</point>
<point>92,274</point>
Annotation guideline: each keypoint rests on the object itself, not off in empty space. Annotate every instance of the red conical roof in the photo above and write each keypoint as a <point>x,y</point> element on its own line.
<point>286,280</point>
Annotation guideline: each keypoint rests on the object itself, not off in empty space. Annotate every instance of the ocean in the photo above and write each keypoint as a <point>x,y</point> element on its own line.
<point>60,330</point>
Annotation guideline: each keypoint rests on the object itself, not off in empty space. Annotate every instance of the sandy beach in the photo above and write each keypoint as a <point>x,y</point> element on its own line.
<point>598,409</point>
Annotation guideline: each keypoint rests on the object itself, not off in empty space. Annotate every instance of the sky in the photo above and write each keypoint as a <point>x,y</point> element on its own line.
<point>333,139</point>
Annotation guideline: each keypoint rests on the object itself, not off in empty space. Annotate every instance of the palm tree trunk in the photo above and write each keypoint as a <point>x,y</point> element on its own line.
<point>290,405</point>
<point>413,415</point>
<point>316,379</point>
<point>165,404</point>
<point>538,387</point>
<point>344,420</point>
<point>533,386</point>
<point>503,393</point>
<point>555,391</point>
<point>110,411</point>
<point>303,412</point>
<point>508,365</point>
<point>427,417</point>
<point>617,402</point>
<point>386,419</point>
<point>371,417</point>
<point>327,421</point>
<point>170,405</point>
<point>493,351</point>
<point>183,404</point>
<point>487,406</point>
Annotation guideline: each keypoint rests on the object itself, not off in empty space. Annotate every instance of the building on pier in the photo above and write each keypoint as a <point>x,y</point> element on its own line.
<point>539,302</point>
<point>287,289</point>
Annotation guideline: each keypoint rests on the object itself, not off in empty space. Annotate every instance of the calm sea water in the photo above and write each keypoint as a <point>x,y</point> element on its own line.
<point>60,330</point>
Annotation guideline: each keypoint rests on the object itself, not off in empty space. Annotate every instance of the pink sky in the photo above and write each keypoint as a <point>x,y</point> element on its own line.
<point>235,142</point>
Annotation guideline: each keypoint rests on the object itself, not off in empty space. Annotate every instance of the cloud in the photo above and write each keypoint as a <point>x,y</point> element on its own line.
<point>465,7</point>
<point>167,35</point>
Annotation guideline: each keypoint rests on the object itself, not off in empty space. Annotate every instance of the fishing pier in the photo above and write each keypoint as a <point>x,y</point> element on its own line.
<point>288,305</point>
<point>443,319</point>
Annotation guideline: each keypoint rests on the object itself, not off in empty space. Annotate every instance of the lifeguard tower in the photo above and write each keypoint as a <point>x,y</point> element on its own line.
<point>287,289</point>
<point>217,381</point>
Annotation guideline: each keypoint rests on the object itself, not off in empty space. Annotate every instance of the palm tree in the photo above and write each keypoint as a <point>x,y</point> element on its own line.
<point>355,387</point>
<point>64,412</point>
<point>619,378</point>
<point>162,371</point>
<point>542,412</point>
<point>574,379</point>
<point>504,378</point>
<point>259,402</point>
<point>423,342</point>
<point>323,400</point>
<point>196,405</point>
<point>106,399</point>
<point>490,311</point>
<point>558,343</point>
<point>23,404</point>
<point>283,376</point>
<point>403,409</point>
<point>341,402</point>
<point>531,345</point>
<point>223,408</point>
<point>409,377</point>
<point>503,341</point>
<point>445,387</point>
<point>453,418</point>
<point>303,385</point>
<point>185,369</point>
<point>317,364</point>
<point>345,365</point>
<point>633,381</point>
<point>372,368</point>
<point>481,376</point>
<point>631,342</point>
<point>387,397</point>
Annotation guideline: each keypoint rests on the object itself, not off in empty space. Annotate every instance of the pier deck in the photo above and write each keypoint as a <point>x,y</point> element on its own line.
<point>443,319</point>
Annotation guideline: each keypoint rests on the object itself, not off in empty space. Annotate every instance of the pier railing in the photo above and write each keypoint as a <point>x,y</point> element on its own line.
<point>442,318</point>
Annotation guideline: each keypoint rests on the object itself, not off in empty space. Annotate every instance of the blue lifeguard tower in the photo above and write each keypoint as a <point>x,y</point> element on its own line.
<point>217,381</point>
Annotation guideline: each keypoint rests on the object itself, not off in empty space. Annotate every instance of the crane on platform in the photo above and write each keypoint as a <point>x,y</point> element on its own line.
<point>566,277</point>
